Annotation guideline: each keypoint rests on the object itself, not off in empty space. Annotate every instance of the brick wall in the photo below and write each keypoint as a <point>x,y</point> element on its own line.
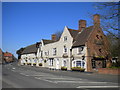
<point>109,71</point>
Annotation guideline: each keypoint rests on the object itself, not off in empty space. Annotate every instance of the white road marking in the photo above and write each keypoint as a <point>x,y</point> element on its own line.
<point>13,70</point>
<point>79,82</point>
<point>46,80</point>
<point>66,78</point>
<point>97,87</point>
<point>26,75</point>
<point>37,75</point>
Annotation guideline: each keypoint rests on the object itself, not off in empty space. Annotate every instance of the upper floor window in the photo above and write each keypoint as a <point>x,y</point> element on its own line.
<point>97,36</point>
<point>54,51</point>
<point>100,50</point>
<point>65,49</point>
<point>79,50</point>
<point>47,53</point>
<point>65,38</point>
<point>101,37</point>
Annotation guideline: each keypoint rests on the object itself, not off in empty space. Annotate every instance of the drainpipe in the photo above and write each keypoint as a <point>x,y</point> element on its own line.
<point>70,59</point>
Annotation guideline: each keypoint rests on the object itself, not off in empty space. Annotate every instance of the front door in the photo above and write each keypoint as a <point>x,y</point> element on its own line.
<point>57,63</point>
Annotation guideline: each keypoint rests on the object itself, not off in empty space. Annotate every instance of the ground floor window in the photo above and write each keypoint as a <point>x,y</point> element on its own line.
<point>51,61</point>
<point>78,63</point>
<point>64,63</point>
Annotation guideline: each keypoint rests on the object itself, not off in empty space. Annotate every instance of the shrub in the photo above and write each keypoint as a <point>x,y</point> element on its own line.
<point>34,63</point>
<point>40,64</point>
<point>63,68</point>
<point>78,69</point>
<point>45,61</point>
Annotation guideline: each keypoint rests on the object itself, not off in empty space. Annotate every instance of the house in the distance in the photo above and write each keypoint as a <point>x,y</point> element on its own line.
<point>86,47</point>
<point>8,57</point>
<point>1,56</point>
<point>29,55</point>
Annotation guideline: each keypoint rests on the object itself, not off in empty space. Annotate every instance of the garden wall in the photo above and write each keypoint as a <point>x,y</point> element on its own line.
<point>109,71</point>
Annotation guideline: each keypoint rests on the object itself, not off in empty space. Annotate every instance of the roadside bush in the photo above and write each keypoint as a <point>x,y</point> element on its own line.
<point>63,68</point>
<point>78,69</point>
<point>34,63</point>
<point>40,64</point>
<point>45,61</point>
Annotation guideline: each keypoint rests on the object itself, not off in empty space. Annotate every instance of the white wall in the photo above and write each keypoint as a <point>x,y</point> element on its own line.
<point>59,45</point>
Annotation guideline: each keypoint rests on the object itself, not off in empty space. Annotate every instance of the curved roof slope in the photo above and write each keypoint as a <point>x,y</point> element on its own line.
<point>82,37</point>
<point>45,41</point>
<point>30,49</point>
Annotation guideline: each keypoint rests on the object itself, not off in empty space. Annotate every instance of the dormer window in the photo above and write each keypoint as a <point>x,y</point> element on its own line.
<point>65,38</point>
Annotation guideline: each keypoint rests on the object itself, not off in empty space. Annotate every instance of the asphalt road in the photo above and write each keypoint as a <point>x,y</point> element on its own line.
<point>15,76</point>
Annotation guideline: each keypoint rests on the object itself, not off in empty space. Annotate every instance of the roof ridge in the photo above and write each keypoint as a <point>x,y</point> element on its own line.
<point>72,29</point>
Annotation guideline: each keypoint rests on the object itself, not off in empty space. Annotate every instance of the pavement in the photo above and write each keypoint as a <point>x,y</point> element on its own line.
<point>15,76</point>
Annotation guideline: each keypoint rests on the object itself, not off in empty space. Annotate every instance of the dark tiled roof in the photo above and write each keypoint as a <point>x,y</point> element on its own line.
<point>30,49</point>
<point>73,32</point>
<point>47,41</point>
<point>82,37</point>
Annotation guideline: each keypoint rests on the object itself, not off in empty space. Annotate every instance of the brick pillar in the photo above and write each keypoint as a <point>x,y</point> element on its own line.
<point>96,19</point>
<point>54,37</point>
<point>82,25</point>
<point>88,60</point>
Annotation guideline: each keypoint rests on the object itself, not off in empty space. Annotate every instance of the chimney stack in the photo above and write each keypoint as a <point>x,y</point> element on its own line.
<point>96,19</point>
<point>82,24</point>
<point>54,37</point>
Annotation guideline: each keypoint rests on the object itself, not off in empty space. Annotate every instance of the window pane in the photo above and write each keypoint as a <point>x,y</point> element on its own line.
<point>78,63</point>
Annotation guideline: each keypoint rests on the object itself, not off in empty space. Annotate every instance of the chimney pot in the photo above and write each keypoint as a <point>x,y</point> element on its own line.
<point>82,24</point>
<point>54,37</point>
<point>96,19</point>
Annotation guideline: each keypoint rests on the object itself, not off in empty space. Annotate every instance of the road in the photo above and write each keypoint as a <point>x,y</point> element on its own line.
<point>15,76</point>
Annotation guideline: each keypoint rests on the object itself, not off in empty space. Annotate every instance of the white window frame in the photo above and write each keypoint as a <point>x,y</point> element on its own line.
<point>79,50</point>
<point>75,64</point>
<point>51,62</point>
<point>65,51</point>
<point>54,51</point>
<point>65,38</point>
<point>64,64</point>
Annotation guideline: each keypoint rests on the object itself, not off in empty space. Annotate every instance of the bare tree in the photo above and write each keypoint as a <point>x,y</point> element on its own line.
<point>110,16</point>
<point>58,34</point>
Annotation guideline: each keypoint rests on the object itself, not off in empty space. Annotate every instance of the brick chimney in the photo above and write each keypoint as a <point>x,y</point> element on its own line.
<point>54,37</point>
<point>82,24</point>
<point>96,19</point>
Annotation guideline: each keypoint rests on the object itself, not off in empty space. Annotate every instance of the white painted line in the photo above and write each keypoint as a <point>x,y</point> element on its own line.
<point>26,75</point>
<point>66,78</point>
<point>49,81</point>
<point>22,74</point>
<point>13,70</point>
<point>81,82</point>
<point>97,87</point>
<point>46,80</point>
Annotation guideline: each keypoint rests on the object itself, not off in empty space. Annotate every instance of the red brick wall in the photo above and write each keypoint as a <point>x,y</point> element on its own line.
<point>93,48</point>
<point>109,71</point>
